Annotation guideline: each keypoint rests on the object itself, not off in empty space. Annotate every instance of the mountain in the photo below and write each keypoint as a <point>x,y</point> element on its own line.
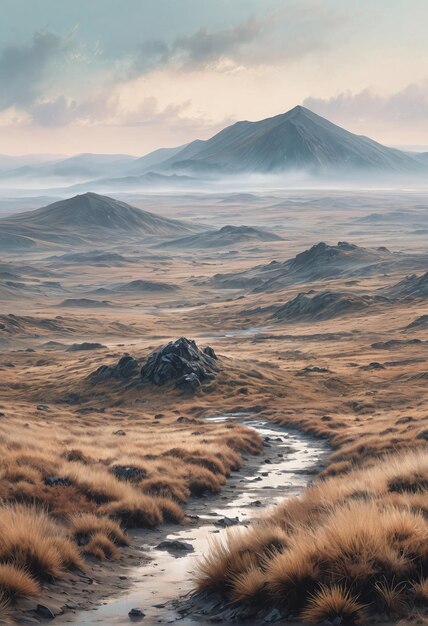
<point>224,237</point>
<point>80,166</point>
<point>91,217</point>
<point>147,162</point>
<point>296,140</point>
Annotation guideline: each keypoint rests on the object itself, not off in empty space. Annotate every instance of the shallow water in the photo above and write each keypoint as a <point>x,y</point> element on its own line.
<point>293,457</point>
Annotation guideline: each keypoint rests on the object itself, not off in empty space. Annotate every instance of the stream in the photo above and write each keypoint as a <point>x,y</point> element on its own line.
<point>284,468</point>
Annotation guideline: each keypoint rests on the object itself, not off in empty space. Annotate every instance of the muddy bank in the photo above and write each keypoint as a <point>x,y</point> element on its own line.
<point>285,467</point>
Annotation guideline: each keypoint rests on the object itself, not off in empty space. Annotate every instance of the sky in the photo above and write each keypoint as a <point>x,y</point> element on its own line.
<point>130,76</point>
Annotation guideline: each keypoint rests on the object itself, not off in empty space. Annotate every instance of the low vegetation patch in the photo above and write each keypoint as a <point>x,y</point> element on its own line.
<point>351,547</point>
<point>70,487</point>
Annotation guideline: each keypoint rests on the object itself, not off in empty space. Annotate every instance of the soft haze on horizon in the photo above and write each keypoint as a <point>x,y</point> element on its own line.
<point>135,75</point>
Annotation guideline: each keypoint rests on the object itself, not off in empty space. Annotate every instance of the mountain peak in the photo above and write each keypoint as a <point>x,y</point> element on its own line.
<point>298,140</point>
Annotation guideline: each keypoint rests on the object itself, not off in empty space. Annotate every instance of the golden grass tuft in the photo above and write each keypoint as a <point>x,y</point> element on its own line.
<point>392,599</point>
<point>420,590</point>
<point>135,512</point>
<point>26,540</point>
<point>331,603</point>
<point>101,547</point>
<point>84,525</point>
<point>249,586</point>
<point>16,582</point>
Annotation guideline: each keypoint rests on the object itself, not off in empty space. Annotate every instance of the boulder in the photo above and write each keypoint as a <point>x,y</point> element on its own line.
<point>125,368</point>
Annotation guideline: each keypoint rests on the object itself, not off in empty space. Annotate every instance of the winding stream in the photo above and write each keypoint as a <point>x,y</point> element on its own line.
<point>283,470</point>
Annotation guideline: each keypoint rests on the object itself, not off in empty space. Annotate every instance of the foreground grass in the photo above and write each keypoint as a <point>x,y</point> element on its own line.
<point>353,546</point>
<point>70,486</point>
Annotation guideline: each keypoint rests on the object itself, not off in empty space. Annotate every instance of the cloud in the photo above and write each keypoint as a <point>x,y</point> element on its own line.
<point>62,111</point>
<point>24,69</point>
<point>407,106</point>
<point>286,35</point>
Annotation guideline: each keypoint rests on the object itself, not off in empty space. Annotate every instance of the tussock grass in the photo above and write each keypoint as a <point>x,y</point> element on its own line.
<point>101,547</point>
<point>343,549</point>
<point>83,526</point>
<point>16,582</point>
<point>333,603</point>
<point>65,493</point>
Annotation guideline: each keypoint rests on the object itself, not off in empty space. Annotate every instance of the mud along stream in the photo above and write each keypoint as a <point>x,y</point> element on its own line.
<point>284,468</point>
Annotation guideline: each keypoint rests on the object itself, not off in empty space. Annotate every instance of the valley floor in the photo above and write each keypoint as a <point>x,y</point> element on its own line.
<point>83,462</point>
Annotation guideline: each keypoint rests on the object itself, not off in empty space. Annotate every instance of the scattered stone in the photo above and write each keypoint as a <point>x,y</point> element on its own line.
<point>312,369</point>
<point>86,345</point>
<point>119,433</point>
<point>133,474</point>
<point>56,481</point>
<point>374,365</point>
<point>225,522</point>
<point>42,407</point>
<point>174,545</point>
<point>45,611</point>
<point>136,614</point>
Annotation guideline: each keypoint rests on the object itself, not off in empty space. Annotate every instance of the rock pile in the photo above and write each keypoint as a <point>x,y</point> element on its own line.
<point>183,362</point>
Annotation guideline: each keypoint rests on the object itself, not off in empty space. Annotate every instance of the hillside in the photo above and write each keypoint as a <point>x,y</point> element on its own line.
<point>89,217</point>
<point>224,237</point>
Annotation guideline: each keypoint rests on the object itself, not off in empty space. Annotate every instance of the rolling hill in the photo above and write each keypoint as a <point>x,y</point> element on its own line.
<point>224,237</point>
<point>89,218</point>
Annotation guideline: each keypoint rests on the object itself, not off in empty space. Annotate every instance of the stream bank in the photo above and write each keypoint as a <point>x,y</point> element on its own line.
<point>285,467</point>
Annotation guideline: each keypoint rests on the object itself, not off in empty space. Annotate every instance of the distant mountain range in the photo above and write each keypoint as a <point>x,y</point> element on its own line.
<point>87,218</point>
<point>298,141</point>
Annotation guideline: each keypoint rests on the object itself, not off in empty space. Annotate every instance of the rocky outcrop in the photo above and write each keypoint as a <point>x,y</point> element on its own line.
<point>126,368</point>
<point>321,306</point>
<point>181,362</point>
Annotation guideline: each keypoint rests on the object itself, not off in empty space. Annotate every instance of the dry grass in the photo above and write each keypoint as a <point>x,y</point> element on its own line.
<point>333,603</point>
<point>16,582</point>
<point>341,545</point>
<point>70,493</point>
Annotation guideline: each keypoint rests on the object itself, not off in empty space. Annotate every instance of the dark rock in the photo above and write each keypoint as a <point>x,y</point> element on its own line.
<point>130,473</point>
<point>313,369</point>
<point>136,614</point>
<point>225,522</point>
<point>210,352</point>
<point>126,368</point>
<point>42,407</point>
<point>181,362</point>
<point>423,435</point>
<point>45,611</point>
<point>374,365</point>
<point>175,545</point>
<point>56,481</point>
<point>119,433</point>
<point>188,382</point>
<point>86,345</point>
